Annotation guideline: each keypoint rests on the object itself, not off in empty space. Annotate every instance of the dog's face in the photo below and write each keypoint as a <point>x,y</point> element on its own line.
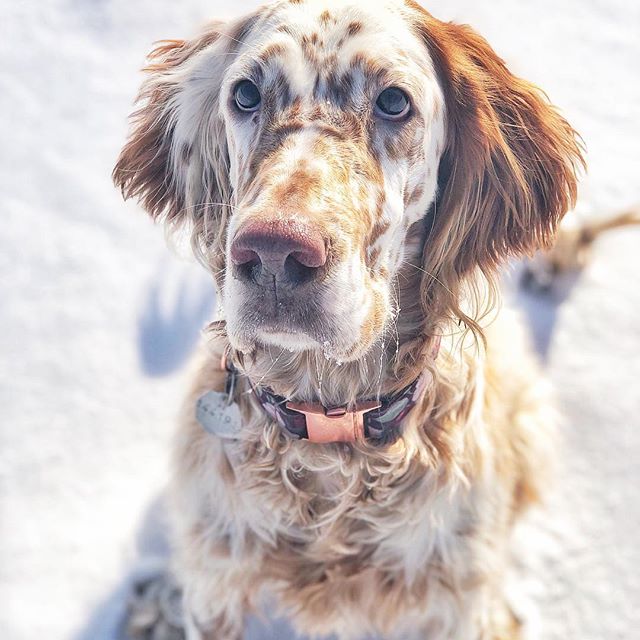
<point>334,123</point>
<point>306,140</point>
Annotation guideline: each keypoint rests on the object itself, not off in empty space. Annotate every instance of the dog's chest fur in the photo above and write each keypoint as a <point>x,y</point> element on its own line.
<point>328,536</point>
<point>326,525</point>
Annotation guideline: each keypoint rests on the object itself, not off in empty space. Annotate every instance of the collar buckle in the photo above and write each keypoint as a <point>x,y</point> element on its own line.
<point>334,424</point>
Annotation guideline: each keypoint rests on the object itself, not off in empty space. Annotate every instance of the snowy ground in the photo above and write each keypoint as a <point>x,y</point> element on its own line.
<point>97,321</point>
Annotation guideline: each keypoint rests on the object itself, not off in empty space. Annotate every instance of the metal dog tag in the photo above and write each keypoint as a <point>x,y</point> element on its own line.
<point>218,416</point>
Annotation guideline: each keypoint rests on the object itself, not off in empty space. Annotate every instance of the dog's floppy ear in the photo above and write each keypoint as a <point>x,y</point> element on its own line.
<point>175,162</point>
<point>147,168</point>
<point>508,171</point>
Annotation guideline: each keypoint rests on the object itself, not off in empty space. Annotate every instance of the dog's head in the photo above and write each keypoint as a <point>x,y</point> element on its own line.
<point>321,149</point>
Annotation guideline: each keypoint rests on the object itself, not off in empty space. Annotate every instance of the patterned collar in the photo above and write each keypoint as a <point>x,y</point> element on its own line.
<point>377,421</point>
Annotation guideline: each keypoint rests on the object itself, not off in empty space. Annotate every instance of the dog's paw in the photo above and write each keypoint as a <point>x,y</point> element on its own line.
<point>155,610</point>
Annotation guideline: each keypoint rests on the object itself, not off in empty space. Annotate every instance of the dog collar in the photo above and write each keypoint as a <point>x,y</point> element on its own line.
<point>377,420</point>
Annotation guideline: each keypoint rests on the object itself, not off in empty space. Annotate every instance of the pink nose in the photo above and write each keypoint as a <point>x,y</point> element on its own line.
<point>290,250</point>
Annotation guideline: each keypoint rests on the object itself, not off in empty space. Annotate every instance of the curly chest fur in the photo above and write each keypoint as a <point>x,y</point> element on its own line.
<point>338,514</point>
<point>344,504</point>
<point>330,530</point>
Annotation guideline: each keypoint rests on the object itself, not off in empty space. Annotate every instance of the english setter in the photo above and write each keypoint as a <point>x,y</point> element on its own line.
<point>359,441</point>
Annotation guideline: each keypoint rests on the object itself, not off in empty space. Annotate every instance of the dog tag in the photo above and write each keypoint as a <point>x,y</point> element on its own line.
<point>218,416</point>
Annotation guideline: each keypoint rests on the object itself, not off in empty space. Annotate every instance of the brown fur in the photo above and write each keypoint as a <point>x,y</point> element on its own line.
<point>508,174</point>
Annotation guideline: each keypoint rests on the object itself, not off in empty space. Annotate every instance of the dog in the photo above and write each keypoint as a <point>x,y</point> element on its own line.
<point>365,428</point>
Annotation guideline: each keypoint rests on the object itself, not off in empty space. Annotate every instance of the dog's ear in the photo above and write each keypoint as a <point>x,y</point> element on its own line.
<point>175,162</point>
<point>146,168</point>
<point>508,170</point>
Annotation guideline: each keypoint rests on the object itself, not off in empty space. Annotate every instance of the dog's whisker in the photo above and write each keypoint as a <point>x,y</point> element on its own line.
<point>274,362</point>
<point>430,275</point>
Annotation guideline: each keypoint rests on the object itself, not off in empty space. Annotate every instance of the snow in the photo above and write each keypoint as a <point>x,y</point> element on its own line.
<point>98,320</point>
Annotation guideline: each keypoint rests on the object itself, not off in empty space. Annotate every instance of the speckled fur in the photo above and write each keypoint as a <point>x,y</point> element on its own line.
<point>409,539</point>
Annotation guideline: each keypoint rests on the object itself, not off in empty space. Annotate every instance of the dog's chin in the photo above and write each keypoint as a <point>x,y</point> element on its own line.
<point>299,342</point>
<point>331,345</point>
<point>293,341</point>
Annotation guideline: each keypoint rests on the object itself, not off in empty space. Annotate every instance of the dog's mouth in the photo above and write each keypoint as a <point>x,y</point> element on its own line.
<point>294,328</point>
<point>320,320</point>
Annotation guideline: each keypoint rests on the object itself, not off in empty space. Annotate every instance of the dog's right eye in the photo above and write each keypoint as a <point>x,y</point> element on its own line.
<point>247,96</point>
<point>393,104</point>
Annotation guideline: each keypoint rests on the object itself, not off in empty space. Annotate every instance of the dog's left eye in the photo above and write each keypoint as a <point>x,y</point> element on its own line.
<point>247,96</point>
<point>393,104</point>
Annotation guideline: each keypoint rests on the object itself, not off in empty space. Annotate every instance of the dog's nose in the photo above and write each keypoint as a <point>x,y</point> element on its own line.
<point>290,250</point>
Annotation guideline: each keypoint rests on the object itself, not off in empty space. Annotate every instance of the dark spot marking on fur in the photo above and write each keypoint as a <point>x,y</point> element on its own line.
<point>272,51</point>
<point>354,28</point>
<point>379,229</point>
<point>325,17</point>
<point>391,147</point>
<point>285,28</point>
<point>273,136</point>
<point>372,257</point>
<point>277,94</point>
<point>340,88</point>
<point>414,196</point>
<point>317,86</point>
<point>401,142</point>
<point>295,109</point>
<point>309,51</point>
<point>295,190</point>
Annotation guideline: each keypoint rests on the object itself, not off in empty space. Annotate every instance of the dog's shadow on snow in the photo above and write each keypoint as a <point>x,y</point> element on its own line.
<point>539,306</point>
<point>152,551</point>
<point>179,303</point>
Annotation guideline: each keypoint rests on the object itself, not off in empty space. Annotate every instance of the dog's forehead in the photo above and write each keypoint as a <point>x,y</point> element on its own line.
<point>308,39</point>
<point>334,19</point>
